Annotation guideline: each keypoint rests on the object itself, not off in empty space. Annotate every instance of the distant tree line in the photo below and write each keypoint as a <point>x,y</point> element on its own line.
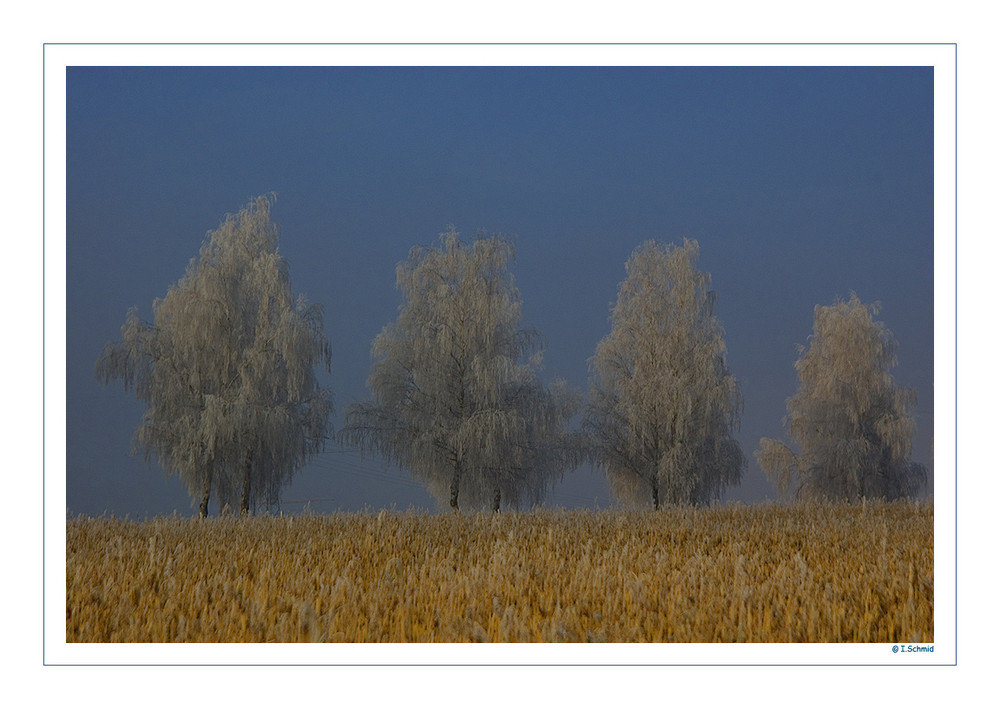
<point>233,407</point>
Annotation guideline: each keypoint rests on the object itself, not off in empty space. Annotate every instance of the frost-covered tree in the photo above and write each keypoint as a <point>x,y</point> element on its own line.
<point>226,369</point>
<point>457,400</point>
<point>850,421</point>
<point>663,404</point>
<point>537,449</point>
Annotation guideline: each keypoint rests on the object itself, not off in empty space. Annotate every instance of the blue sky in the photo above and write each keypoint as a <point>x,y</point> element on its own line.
<point>800,185</point>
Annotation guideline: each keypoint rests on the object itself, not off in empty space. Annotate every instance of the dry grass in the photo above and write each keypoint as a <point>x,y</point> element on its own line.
<point>755,574</point>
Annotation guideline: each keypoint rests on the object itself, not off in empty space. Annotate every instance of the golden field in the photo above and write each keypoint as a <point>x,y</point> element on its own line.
<point>763,573</point>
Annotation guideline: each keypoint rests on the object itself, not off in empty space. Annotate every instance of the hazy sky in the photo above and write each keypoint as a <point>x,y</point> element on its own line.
<point>800,185</point>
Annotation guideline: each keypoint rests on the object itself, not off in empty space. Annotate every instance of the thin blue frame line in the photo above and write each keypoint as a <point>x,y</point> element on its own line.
<point>502,44</point>
<point>521,664</point>
<point>955,47</point>
<point>43,355</point>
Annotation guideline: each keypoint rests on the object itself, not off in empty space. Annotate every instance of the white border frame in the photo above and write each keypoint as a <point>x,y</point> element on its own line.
<point>943,57</point>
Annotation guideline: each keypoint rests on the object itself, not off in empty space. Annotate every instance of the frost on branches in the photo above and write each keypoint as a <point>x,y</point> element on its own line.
<point>851,423</point>
<point>457,400</point>
<point>226,369</point>
<point>663,404</point>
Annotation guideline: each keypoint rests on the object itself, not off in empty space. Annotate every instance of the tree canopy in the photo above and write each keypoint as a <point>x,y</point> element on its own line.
<point>663,403</point>
<point>850,421</point>
<point>457,400</point>
<point>226,369</point>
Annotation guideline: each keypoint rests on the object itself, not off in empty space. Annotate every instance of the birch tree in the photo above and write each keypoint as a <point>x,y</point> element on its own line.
<point>663,404</point>
<point>456,399</point>
<point>851,423</point>
<point>226,369</point>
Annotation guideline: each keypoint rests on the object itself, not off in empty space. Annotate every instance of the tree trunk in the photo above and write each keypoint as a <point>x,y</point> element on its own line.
<point>454,488</point>
<point>206,491</point>
<point>656,494</point>
<point>203,507</point>
<point>245,499</point>
<point>496,499</point>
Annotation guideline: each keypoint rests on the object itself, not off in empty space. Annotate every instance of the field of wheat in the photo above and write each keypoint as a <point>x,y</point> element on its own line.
<point>768,573</point>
